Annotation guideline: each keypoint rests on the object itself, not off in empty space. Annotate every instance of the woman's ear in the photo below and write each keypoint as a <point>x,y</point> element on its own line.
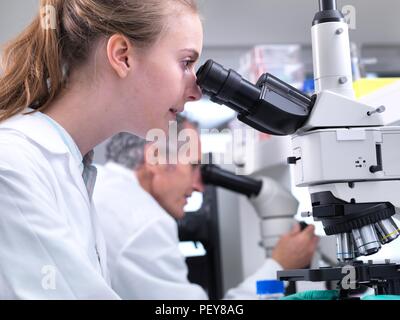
<point>119,54</point>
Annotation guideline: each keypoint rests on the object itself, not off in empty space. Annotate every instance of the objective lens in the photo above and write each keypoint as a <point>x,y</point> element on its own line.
<point>366,240</point>
<point>344,247</point>
<point>387,230</point>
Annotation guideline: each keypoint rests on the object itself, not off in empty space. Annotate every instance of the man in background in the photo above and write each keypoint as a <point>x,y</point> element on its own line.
<point>138,201</point>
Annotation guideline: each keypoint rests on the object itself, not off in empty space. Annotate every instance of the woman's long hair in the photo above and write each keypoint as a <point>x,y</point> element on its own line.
<point>35,64</point>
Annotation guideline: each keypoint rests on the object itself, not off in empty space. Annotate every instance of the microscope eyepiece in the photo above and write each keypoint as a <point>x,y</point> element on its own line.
<point>212,76</point>
<point>214,175</point>
<point>328,12</point>
<point>271,106</point>
<point>325,5</point>
<point>227,87</point>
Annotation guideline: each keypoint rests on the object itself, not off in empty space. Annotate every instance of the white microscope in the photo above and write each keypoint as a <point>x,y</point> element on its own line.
<point>342,151</point>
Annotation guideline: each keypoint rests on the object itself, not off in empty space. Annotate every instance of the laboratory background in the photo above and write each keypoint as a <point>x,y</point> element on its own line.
<point>227,233</point>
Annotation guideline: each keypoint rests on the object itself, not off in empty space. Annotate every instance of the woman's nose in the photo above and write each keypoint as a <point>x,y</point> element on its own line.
<point>195,92</point>
<point>197,182</point>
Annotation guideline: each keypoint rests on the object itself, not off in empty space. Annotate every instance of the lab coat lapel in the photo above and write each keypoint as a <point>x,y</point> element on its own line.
<point>100,244</point>
<point>76,175</point>
<point>98,235</point>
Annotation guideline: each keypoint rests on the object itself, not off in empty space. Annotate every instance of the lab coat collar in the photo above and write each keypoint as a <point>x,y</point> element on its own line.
<point>37,129</point>
<point>115,167</point>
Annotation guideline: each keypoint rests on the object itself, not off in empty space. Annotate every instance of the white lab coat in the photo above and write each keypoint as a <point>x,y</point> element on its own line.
<point>143,246</point>
<point>48,227</point>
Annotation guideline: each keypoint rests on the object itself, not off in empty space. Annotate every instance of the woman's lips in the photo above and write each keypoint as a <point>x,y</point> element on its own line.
<point>177,110</point>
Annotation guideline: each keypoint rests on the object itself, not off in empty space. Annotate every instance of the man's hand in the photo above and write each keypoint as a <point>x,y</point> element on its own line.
<point>295,250</point>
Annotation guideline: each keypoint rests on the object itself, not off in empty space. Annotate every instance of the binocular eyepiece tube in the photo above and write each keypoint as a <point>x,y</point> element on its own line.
<point>227,87</point>
<point>271,106</point>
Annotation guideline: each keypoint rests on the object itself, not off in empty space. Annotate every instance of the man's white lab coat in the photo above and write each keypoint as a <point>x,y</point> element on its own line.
<point>143,245</point>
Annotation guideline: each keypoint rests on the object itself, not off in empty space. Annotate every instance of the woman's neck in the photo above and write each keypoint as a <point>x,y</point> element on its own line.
<point>82,112</point>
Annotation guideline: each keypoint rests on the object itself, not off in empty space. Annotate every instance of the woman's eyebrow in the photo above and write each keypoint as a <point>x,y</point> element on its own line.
<point>193,52</point>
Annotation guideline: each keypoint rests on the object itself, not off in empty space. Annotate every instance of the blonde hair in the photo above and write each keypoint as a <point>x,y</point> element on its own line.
<point>35,64</point>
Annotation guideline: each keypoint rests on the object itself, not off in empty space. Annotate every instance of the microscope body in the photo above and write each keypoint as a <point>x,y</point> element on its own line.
<point>275,207</point>
<point>350,162</point>
<point>353,176</point>
<point>343,152</point>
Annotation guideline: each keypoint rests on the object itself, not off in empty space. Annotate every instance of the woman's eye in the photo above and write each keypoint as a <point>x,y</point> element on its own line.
<point>188,63</point>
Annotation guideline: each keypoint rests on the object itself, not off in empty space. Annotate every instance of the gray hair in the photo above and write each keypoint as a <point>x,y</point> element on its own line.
<point>127,149</point>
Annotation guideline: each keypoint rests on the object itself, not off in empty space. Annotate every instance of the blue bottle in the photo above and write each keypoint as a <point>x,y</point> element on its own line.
<point>270,289</point>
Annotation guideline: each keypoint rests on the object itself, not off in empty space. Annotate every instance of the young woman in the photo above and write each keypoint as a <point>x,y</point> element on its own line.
<point>83,71</point>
